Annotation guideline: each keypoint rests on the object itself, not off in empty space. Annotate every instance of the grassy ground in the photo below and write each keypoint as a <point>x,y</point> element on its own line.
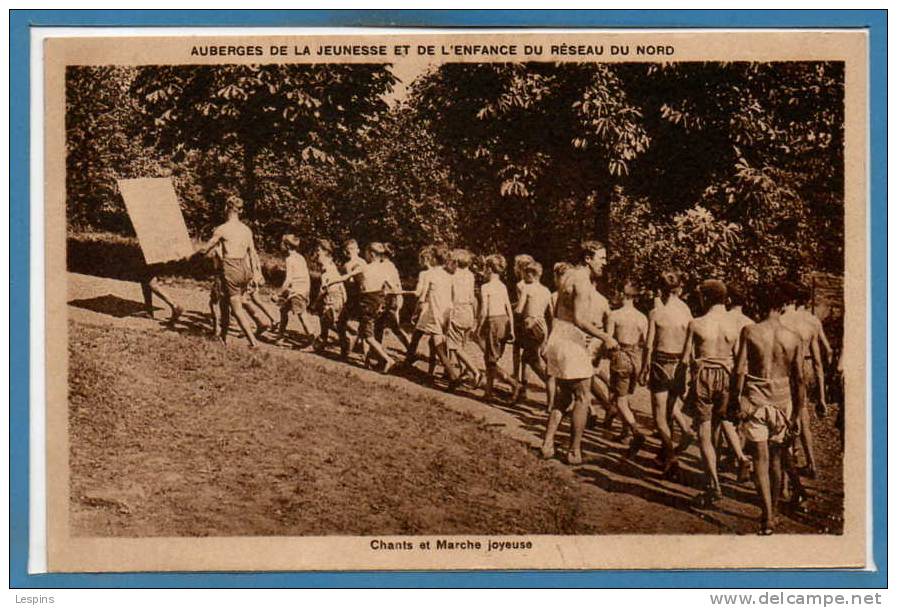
<point>174,435</point>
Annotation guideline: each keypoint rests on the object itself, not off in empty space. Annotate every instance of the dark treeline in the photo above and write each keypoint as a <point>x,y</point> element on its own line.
<point>731,170</point>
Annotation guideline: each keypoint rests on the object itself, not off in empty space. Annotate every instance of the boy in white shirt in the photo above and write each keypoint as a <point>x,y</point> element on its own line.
<point>495,327</point>
<point>533,308</point>
<point>294,293</point>
<point>332,295</point>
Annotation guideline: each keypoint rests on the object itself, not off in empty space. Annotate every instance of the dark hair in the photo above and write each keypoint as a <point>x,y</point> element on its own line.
<point>774,295</point>
<point>712,292</point>
<point>736,295</point>
<point>588,249</point>
<point>670,280</point>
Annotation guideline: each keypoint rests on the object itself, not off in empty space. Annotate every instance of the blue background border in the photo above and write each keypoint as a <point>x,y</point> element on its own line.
<point>875,22</point>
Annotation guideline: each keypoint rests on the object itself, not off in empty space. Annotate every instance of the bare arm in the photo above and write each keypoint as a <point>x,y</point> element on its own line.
<point>799,391</point>
<point>740,364</point>
<point>581,316</point>
<point>211,244</point>
<point>254,265</point>
<point>484,306</point>
<point>521,302</point>
<point>649,344</point>
<point>824,343</point>
<point>689,340</point>
<point>816,355</point>
<point>509,311</point>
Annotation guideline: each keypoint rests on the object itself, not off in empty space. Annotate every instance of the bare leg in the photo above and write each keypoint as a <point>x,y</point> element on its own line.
<point>554,421</point>
<point>468,363</point>
<point>257,302</point>
<point>580,415</point>
<point>411,351</point>
<point>659,409</point>
<point>236,304</point>
<point>431,370</point>
<point>761,479</point>
<point>213,312</point>
<point>708,455</point>
<point>156,288</point>
<point>806,442</point>
<point>225,319</point>
<point>381,352</point>
<point>733,439</point>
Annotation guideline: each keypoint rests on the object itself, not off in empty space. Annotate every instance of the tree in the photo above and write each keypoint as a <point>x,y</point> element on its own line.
<point>273,114</point>
<point>530,145</point>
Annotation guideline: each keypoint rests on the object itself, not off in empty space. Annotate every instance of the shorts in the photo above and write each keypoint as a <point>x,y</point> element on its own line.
<point>667,374</point>
<point>293,302</point>
<point>370,306</point>
<point>709,396</point>
<point>625,365</point>
<point>770,423</point>
<point>566,354</point>
<point>765,410</point>
<point>236,275</point>
<point>565,395</point>
<point>460,325</point>
<point>533,333</point>
<point>495,333</point>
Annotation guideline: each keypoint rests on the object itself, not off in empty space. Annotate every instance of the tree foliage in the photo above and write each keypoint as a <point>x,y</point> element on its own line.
<point>733,170</point>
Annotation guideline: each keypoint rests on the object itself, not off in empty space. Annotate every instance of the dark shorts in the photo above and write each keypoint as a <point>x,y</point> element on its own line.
<point>370,307</point>
<point>625,365</point>
<point>494,334</point>
<point>709,396</point>
<point>236,275</point>
<point>533,333</point>
<point>666,373</point>
<point>295,302</point>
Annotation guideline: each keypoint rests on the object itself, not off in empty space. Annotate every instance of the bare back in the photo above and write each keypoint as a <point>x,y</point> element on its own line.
<point>574,282</point>
<point>770,349</point>
<point>715,335</point>
<point>235,238</point>
<point>670,326</point>
<point>627,325</point>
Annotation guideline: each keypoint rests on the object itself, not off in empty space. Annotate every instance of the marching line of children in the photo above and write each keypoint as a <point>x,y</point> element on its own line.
<point>715,369</point>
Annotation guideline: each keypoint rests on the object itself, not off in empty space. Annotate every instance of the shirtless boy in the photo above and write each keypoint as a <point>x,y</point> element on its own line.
<point>239,264</point>
<point>809,328</point>
<point>770,392</point>
<point>661,369</point>
<point>629,327</point>
<point>353,298</point>
<point>710,349</point>
<point>567,357</point>
<point>533,308</point>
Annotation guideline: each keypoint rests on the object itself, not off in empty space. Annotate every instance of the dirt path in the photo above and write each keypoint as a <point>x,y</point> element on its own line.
<point>628,495</point>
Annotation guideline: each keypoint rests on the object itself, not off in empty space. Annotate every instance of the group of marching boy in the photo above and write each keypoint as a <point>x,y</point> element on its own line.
<point>722,378</point>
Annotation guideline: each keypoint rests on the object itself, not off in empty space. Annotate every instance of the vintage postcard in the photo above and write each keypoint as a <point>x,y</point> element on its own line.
<point>432,300</point>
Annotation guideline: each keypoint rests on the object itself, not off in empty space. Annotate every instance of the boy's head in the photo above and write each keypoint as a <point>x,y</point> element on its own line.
<point>440,255</point>
<point>671,282</point>
<point>462,258</point>
<point>712,292</point>
<point>496,264</point>
<point>802,294</point>
<point>388,250</point>
<point>773,297</point>
<point>425,256</point>
<point>594,255</point>
<point>234,206</point>
<point>351,248</point>
<point>736,295</point>
<point>374,251</point>
<point>532,272</point>
<point>325,251</point>
<point>290,242</point>
<point>560,269</point>
<point>630,291</point>
<point>521,261</point>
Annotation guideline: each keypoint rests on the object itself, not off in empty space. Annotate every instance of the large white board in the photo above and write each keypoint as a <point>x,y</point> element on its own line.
<point>156,215</point>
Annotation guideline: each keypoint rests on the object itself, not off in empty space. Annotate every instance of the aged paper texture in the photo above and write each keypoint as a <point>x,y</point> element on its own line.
<point>733,155</point>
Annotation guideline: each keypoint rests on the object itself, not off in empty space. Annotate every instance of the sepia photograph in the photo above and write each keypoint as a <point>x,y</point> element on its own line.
<point>453,302</point>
